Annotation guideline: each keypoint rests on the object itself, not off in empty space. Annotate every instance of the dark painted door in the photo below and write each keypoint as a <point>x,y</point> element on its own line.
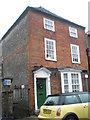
<point>41,91</point>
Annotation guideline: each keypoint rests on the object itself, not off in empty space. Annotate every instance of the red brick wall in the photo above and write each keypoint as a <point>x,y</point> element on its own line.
<point>55,82</point>
<point>36,48</point>
<point>84,82</point>
<point>37,33</point>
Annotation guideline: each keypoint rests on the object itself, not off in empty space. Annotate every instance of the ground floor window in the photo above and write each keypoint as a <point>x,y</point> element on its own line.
<point>71,82</point>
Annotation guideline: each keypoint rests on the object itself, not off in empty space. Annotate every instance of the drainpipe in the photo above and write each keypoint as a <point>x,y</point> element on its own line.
<point>86,77</point>
<point>88,55</point>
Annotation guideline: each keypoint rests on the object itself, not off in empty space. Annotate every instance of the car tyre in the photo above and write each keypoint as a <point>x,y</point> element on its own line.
<point>71,117</point>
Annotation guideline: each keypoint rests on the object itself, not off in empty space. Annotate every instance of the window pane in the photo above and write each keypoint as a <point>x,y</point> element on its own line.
<point>49,24</point>
<point>73,32</point>
<point>50,49</point>
<point>71,99</point>
<point>75,82</point>
<point>66,87</point>
<point>75,53</point>
<point>85,97</point>
<point>52,100</point>
<point>65,79</point>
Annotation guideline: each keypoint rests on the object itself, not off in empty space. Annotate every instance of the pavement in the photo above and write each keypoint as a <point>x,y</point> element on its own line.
<point>29,118</point>
<point>33,117</point>
<point>0,118</point>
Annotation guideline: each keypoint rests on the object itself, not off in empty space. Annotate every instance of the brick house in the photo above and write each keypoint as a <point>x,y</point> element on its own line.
<point>44,54</point>
<point>88,54</point>
<point>88,47</point>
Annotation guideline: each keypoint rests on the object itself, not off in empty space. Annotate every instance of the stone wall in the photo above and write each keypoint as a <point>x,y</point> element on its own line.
<point>15,63</point>
<point>7,103</point>
<point>15,54</point>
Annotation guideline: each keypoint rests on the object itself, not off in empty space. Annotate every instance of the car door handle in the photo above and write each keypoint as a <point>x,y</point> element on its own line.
<point>85,106</point>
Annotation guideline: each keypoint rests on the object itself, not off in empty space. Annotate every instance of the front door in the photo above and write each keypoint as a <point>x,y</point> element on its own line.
<point>41,91</point>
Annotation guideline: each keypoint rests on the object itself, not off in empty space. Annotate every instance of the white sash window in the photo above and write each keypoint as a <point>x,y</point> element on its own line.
<point>73,32</point>
<point>49,24</point>
<point>71,82</point>
<point>75,53</point>
<point>50,49</point>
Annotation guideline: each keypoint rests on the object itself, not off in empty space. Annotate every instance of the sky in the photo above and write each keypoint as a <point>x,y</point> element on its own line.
<point>74,10</point>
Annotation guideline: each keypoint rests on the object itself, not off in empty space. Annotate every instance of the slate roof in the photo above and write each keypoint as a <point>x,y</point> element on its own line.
<point>67,68</point>
<point>39,67</point>
<point>42,10</point>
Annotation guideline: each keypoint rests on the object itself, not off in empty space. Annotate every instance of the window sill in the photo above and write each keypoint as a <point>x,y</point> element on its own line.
<point>54,60</point>
<point>76,63</point>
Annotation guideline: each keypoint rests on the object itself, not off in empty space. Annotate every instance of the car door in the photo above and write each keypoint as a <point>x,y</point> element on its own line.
<point>85,99</point>
<point>85,109</point>
<point>72,104</point>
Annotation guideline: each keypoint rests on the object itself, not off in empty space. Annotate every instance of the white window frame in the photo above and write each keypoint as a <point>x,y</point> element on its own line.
<point>48,26</point>
<point>73,32</point>
<point>54,49</point>
<point>70,81</point>
<point>78,54</point>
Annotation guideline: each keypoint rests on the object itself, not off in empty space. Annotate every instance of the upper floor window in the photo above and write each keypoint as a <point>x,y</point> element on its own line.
<point>50,49</point>
<point>73,32</point>
<point>49,24</point>
<point>75,53</point>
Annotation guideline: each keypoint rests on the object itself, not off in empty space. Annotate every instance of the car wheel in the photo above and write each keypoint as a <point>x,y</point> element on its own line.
<point>71,117</point>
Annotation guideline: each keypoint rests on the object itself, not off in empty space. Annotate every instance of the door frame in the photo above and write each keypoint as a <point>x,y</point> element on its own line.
<point>41,73</point>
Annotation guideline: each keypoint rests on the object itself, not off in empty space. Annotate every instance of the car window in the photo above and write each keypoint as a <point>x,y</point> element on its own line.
<point>84,97</point>
<point>71,99</point>
<point>52,100</point>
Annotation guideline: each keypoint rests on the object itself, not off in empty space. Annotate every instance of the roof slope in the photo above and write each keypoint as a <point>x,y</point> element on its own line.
<point>43,10</point>
<point>38,9</point>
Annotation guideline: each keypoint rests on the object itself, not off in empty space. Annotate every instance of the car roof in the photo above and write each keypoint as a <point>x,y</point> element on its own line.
<point>69,93</point>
